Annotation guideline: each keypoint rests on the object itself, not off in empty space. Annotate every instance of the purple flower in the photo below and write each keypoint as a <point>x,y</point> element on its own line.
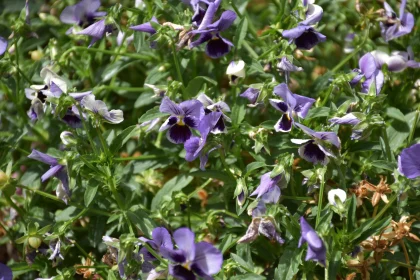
<point>346,119</point>
<point>313,14</point>
<point>99,107</point>
<point>409,162</point>
<point>286,66</point>
<point>184,116</point>
<point>3,45</point>
<point>252,95</point>
<point>290,105</point>
<point>259,210</point>
<point>5,272</point>
<point>217,46</point>
<point>314,149</point>
<point>399,60</point>
<point>56,170</point>
<point>82,13</point>
<point>96,30</point>
<point>194,145</point>
<point>316,248</point>
<point>192,258</point>
<point>160,238</point>
<point>370,68</point>
<point>211,106</point>
<point>395,27</point>
<point>146,27</point>
<point>305,37</point>
<point>268,190</point>
<point>55,246</point>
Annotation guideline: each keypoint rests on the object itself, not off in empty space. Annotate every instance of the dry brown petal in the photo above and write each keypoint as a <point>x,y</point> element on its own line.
<point>375,199</point>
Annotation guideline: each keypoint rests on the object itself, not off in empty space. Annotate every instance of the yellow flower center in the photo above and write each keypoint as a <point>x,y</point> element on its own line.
<point>180,121</point>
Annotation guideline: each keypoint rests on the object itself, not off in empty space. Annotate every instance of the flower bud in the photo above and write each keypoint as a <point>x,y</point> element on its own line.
<point>236,69</point>
<point>34,242</point>
<point>336,193</point>
<point>68,138</point>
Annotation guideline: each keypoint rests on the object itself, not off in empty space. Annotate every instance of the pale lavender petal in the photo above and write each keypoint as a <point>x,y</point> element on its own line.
<point>251,94</point>
<point>413,64</point>
<point>303,104</point>
<point>184,239</point>
<point>36,155</point>
<point>145,27</point>
<point>192,148</point>
<point>51,172</point>
<point>272,196</point>
<point>168,106</point>
<point>283,91</point>
<point>208,122</point>
<point>286,66</point>
<point>192,108</point>
<point>329,137</point>
<point>96,31</point>
<point>346,119</point>
<point>266,184</point>
<point>226,20</point>
<point>313,15</point>
<point>208,260</point>
<point>161,237</point>
<point>79,95</point>
<point>3,45</point>
<point>367,65</point>
<point>294,33</point>
<point>205,100</point>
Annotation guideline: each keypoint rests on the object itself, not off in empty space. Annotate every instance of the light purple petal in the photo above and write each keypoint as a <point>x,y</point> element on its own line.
<point>251,94</point>
<point>204,37</point>
<point>306,130</point>
<point>266,184</point>
<point>313,15</point>
<point>303,104</point>
<point>286,66</point>
<point>283,91</point>
<point>205,100</point>
<point>51,172</point>
<point>409,162</point>
<point>168,106</point>
<point>79,95</point>
<point>161,237</point>
<point>192,108</point>
<point>96,31</point>
<point>346,119</point>
<point>184,239</point>
<point>5,272</point>
<point>329,137</point>
<point>192,148</point>
<point>208,259</point>
<point>272,196</point>
<point>208,122</point>
<point>145,27</point>
<point>3,45</point>
<point>226,20</point>
<point>36,155</point>
<point>72,14</point>
<point>294,32</point>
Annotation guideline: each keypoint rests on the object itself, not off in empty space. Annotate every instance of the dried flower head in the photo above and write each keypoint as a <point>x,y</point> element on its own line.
<point>361,265</point>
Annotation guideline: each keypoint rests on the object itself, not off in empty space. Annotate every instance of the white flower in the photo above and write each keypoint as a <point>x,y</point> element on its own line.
<point>236,69</point>
<point>336,192</point>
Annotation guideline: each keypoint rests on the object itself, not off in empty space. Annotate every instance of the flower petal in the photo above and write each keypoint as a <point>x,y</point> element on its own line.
<point>208,260</point>
<point>36,155</point>
<point>184,239</point>
<point>3,45</point>
<point>312,153</point>
<point>279,105</point>
<point>218,47</point>
<point>5,272</point>
<point>409,162</point>
<point>284,124</point>
<point>192,108</point>
<point>168,106</point>
<point>161,237</point>
<point>178,134</point>
<point>51,172</point>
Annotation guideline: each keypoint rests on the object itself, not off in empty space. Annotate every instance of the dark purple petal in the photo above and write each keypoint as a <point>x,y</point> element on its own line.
<point>3,45</point>
<point>204,37</point>
<point>174,255</point>
<point>251,94</point>
<point>192,108</point>
<point>181,273</point>
<point>409,162</point>
<point>184,239</point>
<point>5,272</point>
<point>208,123</point>
<point>220,126</point>
<point>191,122</point>
<point>312,153</point>
<point>309,39</point>
<point>279,105</point>
<point>218,47</point>
<point>178,134</point>
<point>284,124</point>
<point>168,106</point>
<point>51,172</point>
<point>36,155</point>
<point>208,260</point>
<point>168,123</point>
<point>226,20</point>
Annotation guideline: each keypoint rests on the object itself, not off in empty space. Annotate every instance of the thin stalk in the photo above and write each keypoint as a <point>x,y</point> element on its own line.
<point>177,67</point>
<point>199,188</point>
<point>387,147</point>
<point>299,198</point>
<point>79,108</point>
<point>225,165</point>
<point>130,89</point>
<point>413,129</point>
<point>93,50</point>
<point>83,251</point>
<point>251,51</point>
<point>153,252</point>
<point>375,210</point>
<point>407,260</point>
<point>111,184</point>
<point>327,97</point>
<point>139,158</point>
<point>320,198</point>
<point>81,213</point>
<point>401,264</point>
<point>391,200</point>
<point>103,143</point>
<point>14,206</point>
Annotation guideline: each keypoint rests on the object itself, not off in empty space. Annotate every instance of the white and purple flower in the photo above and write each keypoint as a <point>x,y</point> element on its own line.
<point>252,95</point>
<point>314,150</point>
<point>370,69</point>
<point>289,105</point>
<point>56,170</point>
<point>184,116</point>
<point>209,32</point>
<point>211,106</point>
<point>268,189</point>
<point>97,31</point>
<point>394,27</point>
<point>82,13</point>
<point>316,247</point>
<point>99,108</point>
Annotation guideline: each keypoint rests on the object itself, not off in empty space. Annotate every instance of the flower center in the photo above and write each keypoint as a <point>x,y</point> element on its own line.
<point>180,121</point>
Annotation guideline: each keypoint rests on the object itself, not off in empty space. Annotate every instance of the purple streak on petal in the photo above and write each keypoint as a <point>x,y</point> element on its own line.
<point>204,37</point>
<point>192,108</point>
<point>3,45</point>
<point>218,47</point>
<point>225,21</point>
<point>161,237</point>
<point>5,272</point>
<point>79,95</point>
<point>284,124</point>
<point>283,91</point>
<point>168,106</point>
<point>178,134</point>
<point>312,153</point>
<point>184,239</point>
<point>36,155</point>
<point>251,94</point>
<point>409,162</point>
<point>168,123</point>
<point>208,260</point>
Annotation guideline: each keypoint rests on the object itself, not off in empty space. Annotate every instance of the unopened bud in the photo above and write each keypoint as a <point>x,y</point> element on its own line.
<point>34,242</point>
<point>68,138</point>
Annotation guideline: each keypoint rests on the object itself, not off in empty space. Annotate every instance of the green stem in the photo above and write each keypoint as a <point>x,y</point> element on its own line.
<point>103,143</point>
<point>83,251</point>
<point>387,147</point>
<point>413,129</point>
<point>383,210</point>
<point>178,67</point>
<point>93,50</point>
<point>225,165</point>
<point>70,221</point>
<point>130,89</point>
<point>14,206</point>
<point>153,252</point>
<point>327,97</point>
<point>299,198</point>
<point>111,184</point>
<point>320,198</point>
<point>251,51</point>
<point>79,108</point>
<point>139,158</point>
<point>199,188</point>
<point>401,264</point>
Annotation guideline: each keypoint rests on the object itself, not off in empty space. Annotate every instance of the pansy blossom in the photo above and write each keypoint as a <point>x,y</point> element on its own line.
<point>409,162</point>
<point>97,31</point>
<point>82,14</point>
<point>289,105</point>
<point>370,69</point>
<point>316,247</point>
<point>211,106</point>
<point>394,27</point>
<point>268,189</point>
<point>314,150</point>
<point>99,108</point>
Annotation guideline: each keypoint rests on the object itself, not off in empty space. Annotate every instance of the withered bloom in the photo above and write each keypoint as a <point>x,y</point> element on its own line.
<point>361,265</point>
<point>378,245</point>
<point>401,229</point>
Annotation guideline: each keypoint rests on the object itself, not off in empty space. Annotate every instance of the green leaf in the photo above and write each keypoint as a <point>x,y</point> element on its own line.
<point>241,32</point>
<point>383,164</point>
<point>395,114</point>
<point>142,221</point>
<point>238,114</point>
<point>177,183</point>
<point>241,261</point>
<point>221,175</point>
<point>90,194</point>
<point>368,228</point>
<point>397,134</point>
<point>351,214</point>
<point>113,69</point>
<point>152,114</point>
<point>289,263</point>
<point>248,276</point>
<point>111,275</point>
<point>318,112</point>
<point>253,166</point>
<point>123,137</point>
<point>334,264</point>
<point>195,85</point>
